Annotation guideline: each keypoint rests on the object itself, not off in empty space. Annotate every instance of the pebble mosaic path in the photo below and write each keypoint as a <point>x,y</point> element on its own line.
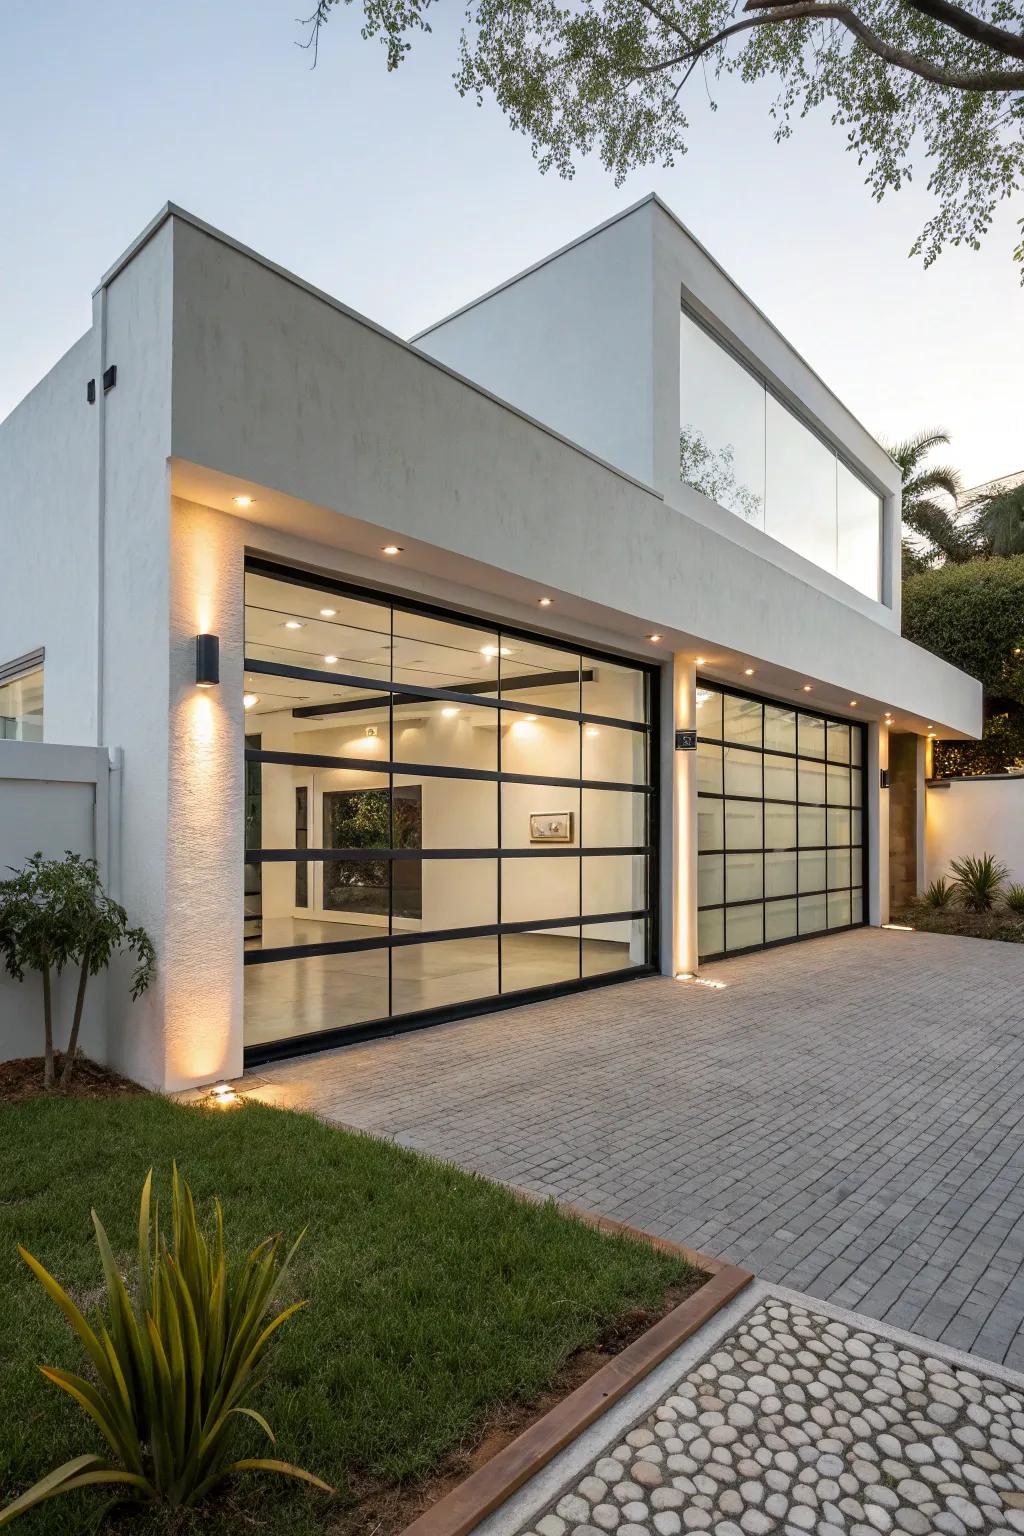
<point>799,1423</point>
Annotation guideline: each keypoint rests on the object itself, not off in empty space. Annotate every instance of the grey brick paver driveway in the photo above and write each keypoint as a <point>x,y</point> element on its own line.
<point>845,1117</point>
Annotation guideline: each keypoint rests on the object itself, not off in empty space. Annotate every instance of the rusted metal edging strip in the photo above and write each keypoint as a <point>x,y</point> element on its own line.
<point>485,1490</point>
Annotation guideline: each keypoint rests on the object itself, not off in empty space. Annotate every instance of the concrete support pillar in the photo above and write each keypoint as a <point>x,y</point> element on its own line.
<point>923,772</point>
<point>877,829</point>
<point>680,856</point>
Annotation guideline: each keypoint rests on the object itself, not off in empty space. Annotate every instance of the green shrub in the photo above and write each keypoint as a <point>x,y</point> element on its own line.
<point>1014,898</point>
<point>972,615</point>
<point>978,881</point>
<point>171,1370</point>
<point>939,893</point>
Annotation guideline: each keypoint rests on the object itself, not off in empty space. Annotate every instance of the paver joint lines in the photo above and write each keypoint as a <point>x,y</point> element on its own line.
<point>862,1094</point>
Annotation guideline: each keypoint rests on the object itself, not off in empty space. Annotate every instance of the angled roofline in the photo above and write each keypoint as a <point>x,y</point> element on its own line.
<point>658,202</point>
<point>175,211</point>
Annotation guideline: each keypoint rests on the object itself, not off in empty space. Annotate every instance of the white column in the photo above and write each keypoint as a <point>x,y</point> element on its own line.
<point>877,829</point>
<point>684,820</point>
<point>921,773</point>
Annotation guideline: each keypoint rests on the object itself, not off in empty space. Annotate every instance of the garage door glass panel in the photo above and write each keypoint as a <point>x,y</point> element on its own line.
<point>432,768</point>
<point>787,864</point>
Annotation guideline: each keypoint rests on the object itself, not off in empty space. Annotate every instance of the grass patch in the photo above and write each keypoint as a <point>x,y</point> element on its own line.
<point>439,1302</point>
<point>999,924</point>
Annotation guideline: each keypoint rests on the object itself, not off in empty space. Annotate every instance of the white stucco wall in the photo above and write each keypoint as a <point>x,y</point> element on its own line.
<point>274,384</point>
<point>569,339</point>
<point>570,343</point>
<point>135,622</point>
<point>48,520</point>
<point>975,816</point>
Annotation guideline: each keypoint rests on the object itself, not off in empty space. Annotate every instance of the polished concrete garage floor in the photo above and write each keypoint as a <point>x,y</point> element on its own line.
<point>845,1116</point>
<point>300,997</point>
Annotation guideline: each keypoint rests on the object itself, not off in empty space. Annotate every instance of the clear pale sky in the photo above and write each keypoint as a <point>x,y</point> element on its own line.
<point>404,201</point>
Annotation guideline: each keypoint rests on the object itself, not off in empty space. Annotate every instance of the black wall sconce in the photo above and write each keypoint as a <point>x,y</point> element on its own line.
<point>207,661</point>
<point>883,778</point>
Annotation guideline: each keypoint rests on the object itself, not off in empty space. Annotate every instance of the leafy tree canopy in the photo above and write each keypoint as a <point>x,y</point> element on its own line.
<point>898,77</point>
<point>973,616</point>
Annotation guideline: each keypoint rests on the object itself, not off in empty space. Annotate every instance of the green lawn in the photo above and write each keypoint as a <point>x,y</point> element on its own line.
<point>436,1297</point>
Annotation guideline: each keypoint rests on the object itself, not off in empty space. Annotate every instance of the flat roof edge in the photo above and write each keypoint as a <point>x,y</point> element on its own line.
<point>174,211</point>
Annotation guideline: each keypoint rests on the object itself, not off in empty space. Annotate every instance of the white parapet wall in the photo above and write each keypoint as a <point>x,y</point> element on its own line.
<point>972,816</point>
<point>54,799</point>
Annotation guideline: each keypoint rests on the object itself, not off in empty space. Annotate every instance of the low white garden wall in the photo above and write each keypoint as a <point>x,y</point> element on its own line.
<point>52,799</point>
<point>978,815</point>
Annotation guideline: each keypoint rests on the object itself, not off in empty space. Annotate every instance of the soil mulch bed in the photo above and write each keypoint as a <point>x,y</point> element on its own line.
<point>23,1079</point>
<point>1002,925</point>
<point>387,1510</point>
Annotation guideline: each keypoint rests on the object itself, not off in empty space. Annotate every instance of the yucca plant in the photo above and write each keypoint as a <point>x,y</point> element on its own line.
<point>1014,898</point>
<point>939,893</point>
<point>172,1367</point>
<point>979,880</point>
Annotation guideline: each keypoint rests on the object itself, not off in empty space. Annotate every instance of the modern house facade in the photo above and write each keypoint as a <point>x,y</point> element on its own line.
<point>558,647</point>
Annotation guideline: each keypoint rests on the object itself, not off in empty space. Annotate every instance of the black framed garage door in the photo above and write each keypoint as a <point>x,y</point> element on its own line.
<point>781,822</point>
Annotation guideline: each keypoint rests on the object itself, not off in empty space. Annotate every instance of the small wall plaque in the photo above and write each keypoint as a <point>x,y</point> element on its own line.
<point>686,741</point>
<point>552,827</point>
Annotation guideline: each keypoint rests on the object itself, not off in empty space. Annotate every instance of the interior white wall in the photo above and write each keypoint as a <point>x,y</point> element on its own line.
<point>974,816</point>
<point>569,342</point>
<point>463,813</point>
<point>48,513</point>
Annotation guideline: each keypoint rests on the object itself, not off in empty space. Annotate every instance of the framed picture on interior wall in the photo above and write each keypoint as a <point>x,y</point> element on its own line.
<point>551,827</point>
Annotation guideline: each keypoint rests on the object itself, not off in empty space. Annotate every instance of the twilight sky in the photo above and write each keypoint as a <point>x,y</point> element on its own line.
<point>404,201</point>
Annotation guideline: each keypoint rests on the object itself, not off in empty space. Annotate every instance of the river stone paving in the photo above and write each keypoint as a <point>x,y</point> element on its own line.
<point>800,1423</point>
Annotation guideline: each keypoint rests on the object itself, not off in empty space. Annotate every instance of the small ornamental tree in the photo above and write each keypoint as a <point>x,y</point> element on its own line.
<point>55,913</point>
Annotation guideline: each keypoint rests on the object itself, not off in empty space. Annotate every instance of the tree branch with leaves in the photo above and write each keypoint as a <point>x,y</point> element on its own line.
<point>903,80</point>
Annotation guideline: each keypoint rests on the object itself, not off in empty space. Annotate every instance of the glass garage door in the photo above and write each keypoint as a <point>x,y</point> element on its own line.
<point>780,822</point>
<point>440,814</point>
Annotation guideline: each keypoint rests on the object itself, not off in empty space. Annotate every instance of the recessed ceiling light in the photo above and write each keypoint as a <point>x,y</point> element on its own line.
<point>449,711</point>
<point>545,602</point>
<point>807,687</point>
<point>293,624</point>
<point>328,613</point>
<point>593,730</point>
<point>654,639</point>
<point>748,671</point>
<point>700,661</point>
<point>530,719</point>
<point>391,549</point>
<point>330,660</point>
<point>243,501</point>
<point>249,699</point>
<point>495,650</point>
<point>853,703</point>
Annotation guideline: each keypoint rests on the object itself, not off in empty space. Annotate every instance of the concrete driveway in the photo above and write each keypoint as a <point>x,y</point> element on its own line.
<point>844,1116</point>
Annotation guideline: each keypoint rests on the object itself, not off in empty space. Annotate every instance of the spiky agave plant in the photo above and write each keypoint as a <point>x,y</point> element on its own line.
<point>979,880</point>
<point>939,893</point>
<point>172,1367</point>
<point>1014,898</point>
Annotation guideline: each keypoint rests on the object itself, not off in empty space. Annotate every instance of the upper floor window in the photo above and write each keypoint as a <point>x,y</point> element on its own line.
<point>21,700</point>
<point>743,448</point>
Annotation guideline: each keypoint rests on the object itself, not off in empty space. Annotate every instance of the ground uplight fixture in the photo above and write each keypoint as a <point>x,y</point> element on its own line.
<point>223,1096</point>
<point>207,661</point>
